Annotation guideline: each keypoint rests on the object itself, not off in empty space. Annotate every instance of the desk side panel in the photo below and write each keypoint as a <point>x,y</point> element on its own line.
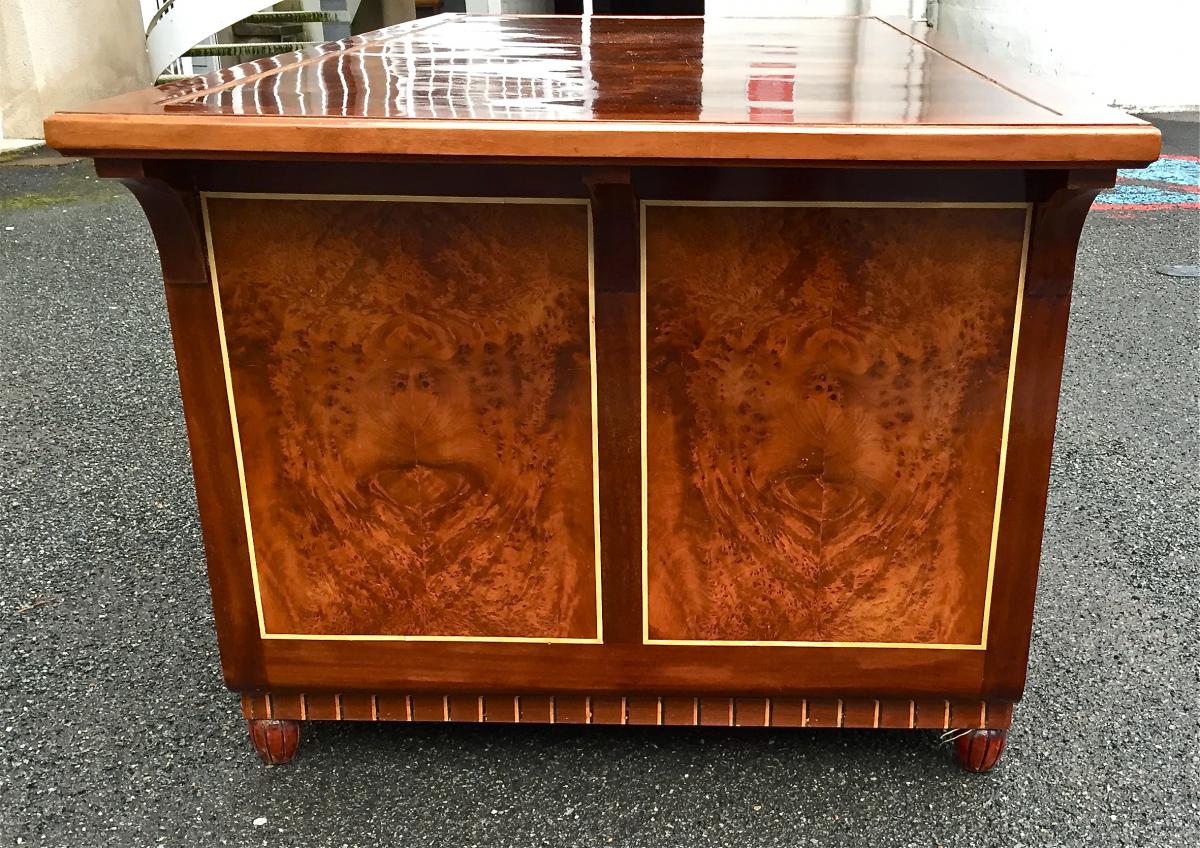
<point>612,670</point>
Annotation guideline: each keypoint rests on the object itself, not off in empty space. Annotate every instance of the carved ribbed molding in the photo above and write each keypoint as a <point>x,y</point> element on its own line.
<point>918,714</point>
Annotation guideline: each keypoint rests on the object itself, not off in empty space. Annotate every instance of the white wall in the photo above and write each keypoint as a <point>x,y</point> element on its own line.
<point>1142,56</point>
<point>812,8</point>
<point>63,54</point>
<point>509,7</point>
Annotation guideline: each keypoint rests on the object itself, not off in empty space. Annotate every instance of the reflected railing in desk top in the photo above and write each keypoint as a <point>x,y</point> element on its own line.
<point>807,70</point>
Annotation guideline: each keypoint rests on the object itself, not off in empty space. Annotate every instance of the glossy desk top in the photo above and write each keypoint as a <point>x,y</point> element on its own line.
<point>605,87</point>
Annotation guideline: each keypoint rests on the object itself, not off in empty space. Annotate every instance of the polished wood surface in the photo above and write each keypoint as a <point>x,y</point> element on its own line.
<point>825,411</point>
<point>979,749</point>
<point>413,392</point>
<point>275,739</point>
<point>657,371</point>
<point>799,89</point>
<point>721,70</point>
<point>615,238</point>
<point>622,664</point>
<point>1054,240</point>
<point>416,415</point>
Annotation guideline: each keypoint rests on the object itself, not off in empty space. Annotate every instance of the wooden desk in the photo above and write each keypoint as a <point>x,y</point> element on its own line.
<point>647,371</point>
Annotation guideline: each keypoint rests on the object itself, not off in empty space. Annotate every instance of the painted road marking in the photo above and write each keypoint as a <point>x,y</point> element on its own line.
<point>1173,182</point>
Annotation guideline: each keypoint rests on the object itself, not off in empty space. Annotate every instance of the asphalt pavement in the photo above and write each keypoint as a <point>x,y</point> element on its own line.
<point>116,729</point>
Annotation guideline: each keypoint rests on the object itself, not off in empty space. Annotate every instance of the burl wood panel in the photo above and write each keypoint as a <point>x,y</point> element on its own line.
<point>825,401</point>
<point>413,395</point>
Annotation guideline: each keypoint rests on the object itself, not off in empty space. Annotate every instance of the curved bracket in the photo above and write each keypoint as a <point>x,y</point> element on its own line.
<point>174,219</point>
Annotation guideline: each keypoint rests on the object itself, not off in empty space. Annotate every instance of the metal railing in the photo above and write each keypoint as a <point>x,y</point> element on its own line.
<point>173,27</point>
<point>178,25</point>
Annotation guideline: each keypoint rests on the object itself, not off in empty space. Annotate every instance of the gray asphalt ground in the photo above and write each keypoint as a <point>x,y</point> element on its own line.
<point>115,728</point>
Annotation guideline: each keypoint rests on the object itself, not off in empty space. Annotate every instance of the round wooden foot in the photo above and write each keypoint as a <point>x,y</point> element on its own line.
<point>978,750</point>
<point>276,740</point>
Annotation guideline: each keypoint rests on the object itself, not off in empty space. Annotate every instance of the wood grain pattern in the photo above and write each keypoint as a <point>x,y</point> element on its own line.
<point>413,395</point>
<point>173,208</point>
<point>1054,239</point>
<point>618,416</point>
<point>621,680</point>
<point>674,710</point>
<point>825,402</point>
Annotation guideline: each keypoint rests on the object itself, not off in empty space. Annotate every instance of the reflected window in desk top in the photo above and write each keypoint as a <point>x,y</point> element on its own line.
<point>718,70</point>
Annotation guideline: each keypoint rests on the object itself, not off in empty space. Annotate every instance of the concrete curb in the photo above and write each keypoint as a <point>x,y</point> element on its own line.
<point>12,148</point>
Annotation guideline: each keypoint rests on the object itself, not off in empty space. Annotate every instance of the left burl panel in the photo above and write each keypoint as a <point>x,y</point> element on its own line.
<point>412,383</point>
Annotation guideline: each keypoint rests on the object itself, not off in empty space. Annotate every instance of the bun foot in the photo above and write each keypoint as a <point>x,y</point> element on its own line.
<point>276,740</point>
<point>978,750</point>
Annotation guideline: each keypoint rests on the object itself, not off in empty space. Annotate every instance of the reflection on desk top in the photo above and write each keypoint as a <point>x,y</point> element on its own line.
<point>650,76</point>
<point>822,70</point>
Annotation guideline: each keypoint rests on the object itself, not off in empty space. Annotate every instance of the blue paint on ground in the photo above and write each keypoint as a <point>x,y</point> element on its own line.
<point>1167,170</point>
<point>1126,193</point>
<point>1178,179</point>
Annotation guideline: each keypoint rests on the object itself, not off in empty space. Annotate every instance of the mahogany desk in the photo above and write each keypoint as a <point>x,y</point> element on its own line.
<point>646,371</point>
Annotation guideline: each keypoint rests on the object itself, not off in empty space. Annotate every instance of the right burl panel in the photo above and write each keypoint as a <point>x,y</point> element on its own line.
<point>825,413</point>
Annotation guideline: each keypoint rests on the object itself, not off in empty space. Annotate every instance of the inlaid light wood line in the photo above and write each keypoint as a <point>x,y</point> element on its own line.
<point>479,709</point>
<point>408,708</point>
<point>840,204</point>
<point>1012,373</point>
<point>517,709</point>
<point>804,713</point>
<point>233,420</point>
<point>946,717</point>
<point>841,715</point>
<point>624,710</point>
<point>339,707</point>
<point>658,711</point>
<point>912,713</point>
<point>587,707</point>
<point>1008,397</point>
<point>876,720</point>
<point>766,712</point>
<point>595,413</point>
<point>374,708</point>
<point>968,68</point>
<point>270,705</point>
<point>381,637</point>
<point>398,198</point>
<point>303,707</point>
<point>644,409</point>
<point>205,196</point>
<point>750,643</point>
<point>553,710</point>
